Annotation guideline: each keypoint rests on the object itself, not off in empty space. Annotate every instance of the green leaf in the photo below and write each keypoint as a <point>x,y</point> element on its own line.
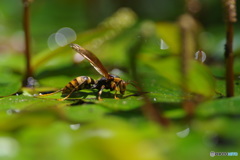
<point>199,79</point>
<point>22,101</point>
<point>86,112</point>
<point>9,88</point>
<point>225,106</point>
<point>10,82</point>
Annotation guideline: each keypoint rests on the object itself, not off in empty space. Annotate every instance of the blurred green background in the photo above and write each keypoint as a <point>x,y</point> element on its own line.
<point>137,40</point>
<point>49,16</point>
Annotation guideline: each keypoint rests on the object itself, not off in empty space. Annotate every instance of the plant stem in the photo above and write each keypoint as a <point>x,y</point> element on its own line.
<point>186,24</point>
<point>230,7</point>
<point>148,108</point>
<point>26,28</point>
<point>229,62</point>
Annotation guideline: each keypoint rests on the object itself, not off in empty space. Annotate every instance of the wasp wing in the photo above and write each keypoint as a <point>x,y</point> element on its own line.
<point>94,61</point>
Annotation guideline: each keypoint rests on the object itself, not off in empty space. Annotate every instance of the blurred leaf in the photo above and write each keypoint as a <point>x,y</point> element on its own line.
<point>9,66</point>
<point>87,112</point>
<point>104,134</point>
<point>22,101</point>
<point>19,119</point>
<point>10,82</point>
<point>225,106</point>
<point>107,139</point>
<point>9,88</point>
<point>221,87</point>
<point>201,80</point>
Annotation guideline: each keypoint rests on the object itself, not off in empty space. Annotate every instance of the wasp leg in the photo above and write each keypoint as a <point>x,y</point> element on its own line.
<point>115,95</point>
<point>62,99</point>
<point>48,94</point>
<point>100,92</point>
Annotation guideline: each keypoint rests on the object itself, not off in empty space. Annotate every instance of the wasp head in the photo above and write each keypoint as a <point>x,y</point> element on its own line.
<point>122,86</point>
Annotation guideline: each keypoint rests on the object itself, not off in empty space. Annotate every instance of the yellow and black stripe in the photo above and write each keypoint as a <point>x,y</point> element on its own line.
<point>81,82</point>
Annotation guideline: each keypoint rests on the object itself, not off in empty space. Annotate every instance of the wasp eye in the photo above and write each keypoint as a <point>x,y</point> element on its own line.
<point>122,87</point>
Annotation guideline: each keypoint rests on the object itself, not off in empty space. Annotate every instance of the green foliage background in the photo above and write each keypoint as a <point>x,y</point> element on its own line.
<point>127,41</point>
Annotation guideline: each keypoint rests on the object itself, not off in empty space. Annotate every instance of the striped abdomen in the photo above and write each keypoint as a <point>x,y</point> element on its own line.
<point>81,82</point>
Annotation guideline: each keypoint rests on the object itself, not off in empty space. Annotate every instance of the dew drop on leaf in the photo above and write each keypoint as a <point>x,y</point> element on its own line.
<point>184,133</point>
<point>31,82</point>
<point>12,111</point>
<point>200,56</point>
<point>74,126</point>
<point>163,45</point>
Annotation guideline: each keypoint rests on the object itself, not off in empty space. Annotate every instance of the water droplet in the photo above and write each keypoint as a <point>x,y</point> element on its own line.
<point>74,126</point>
<point>154,99</point>
<point>200,56</point>
<point>25,93</point>
<point>12,111</point>
<point>23,100</point>
<point>163,45</point>
<point>31,82</point>
<point>8,147</point>
<point>184,133</point>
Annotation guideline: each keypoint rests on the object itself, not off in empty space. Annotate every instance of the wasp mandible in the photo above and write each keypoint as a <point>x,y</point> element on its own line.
<point>108,81</point>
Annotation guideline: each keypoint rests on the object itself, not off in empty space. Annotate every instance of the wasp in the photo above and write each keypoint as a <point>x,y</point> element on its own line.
<point>108,81</point>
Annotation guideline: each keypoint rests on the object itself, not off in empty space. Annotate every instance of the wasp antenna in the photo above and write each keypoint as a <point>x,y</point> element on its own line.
<point>133,82</point>
<point>134,85</point>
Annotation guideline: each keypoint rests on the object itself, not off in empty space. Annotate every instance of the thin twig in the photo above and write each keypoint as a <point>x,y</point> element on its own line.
<point>26,28</point>
<point>187,26</point>
<point>148,108</point>
<point>230,12</point>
